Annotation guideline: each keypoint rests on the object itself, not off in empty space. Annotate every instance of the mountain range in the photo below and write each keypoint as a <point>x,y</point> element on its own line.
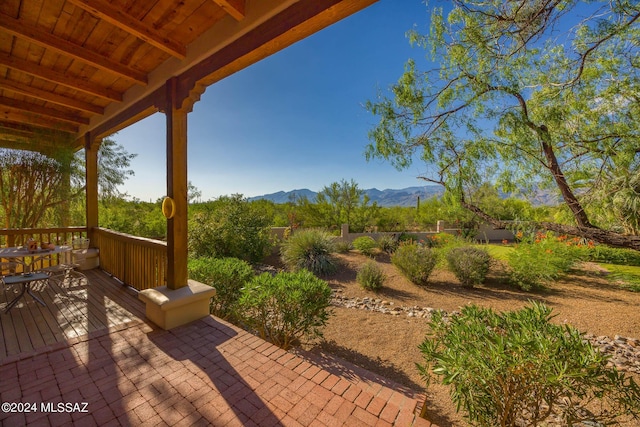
<point>403,197</point>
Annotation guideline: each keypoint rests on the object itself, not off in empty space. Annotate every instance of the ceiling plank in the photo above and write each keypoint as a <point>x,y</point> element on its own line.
<point>47,40</point>
<point>234,8</point>
<point>58,77</point>
<point>39,109</point>
<point>54,98</point>
<point>36,120</point>
<point>122,20</point>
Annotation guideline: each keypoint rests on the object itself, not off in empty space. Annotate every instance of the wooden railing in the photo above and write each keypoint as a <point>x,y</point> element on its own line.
<point>59,236</point>
<point>136,261</point>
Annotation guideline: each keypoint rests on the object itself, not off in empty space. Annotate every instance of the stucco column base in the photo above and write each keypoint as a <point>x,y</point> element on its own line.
<point>170,308</point>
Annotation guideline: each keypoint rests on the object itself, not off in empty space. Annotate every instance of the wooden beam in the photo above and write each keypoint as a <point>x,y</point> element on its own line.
<point>54,98</point>
<point>49,41</point>
<point>17,116</point>
<point>234,8</point>
<point>91,148</point>
<point>177,242</point>
<point>118,18</point>
<point>44,111</point>
<point>59,78</point>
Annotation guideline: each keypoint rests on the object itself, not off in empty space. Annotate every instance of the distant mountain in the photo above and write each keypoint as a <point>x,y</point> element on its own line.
<point>403,197</point>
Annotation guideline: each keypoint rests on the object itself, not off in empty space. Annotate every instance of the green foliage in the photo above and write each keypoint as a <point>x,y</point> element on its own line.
<point>231,227</point>
<point>513,102</point>
<point>366,245</point>
<point>286,307</point>
<point>227,276</point>
<point>609,255</point>
<point>342,246</point>
<point>414,261</point>
<point>370,276</point>
<point>311,250</point>
<point>517,368</point>
<point>532,265</point>
<point>470,264</point>
<point>343,203</point>
<point>387,244</point>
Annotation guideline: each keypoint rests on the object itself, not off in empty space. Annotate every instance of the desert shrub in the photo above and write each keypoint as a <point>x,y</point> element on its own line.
<point>414,261</point>
<point>518,368</point>
<point>387,244</point>
<point>227,276</point>
<point>366,245</point>
<point>343,246</point>
<point>407,237</point>
<point>231,228</point>
<point>533,265</point>
<point>469,264</point>
<point>286,307</point>
<point>370,276</point>
<point>311,250</point>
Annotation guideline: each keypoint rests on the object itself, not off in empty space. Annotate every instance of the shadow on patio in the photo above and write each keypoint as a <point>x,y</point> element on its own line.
<point>101,352</point>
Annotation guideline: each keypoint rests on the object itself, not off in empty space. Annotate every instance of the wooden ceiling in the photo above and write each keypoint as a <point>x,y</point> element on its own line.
<point>68,67</point>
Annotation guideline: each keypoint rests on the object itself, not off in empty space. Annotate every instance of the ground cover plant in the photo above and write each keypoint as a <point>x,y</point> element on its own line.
<point>518,368</point>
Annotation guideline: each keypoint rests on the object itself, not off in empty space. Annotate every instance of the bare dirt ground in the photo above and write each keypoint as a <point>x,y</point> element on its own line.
<point>388,345</point>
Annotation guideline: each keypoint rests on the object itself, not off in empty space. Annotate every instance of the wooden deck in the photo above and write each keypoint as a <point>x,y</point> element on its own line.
<point>73,309</point>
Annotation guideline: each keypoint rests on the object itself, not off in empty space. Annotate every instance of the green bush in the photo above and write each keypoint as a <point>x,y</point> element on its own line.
<point>366,245</point>
<point>342,246</point>
<point>534,265</point>
<point>286,307</point>
<point>518,368</point>
<point>415,262</point>
<point>609,255</point>
<point>370,276</point>
<point>232,228</point>
<point>227,276</point>
<point>311,250</point>
<point>469,264</point>
<point>387,244</point>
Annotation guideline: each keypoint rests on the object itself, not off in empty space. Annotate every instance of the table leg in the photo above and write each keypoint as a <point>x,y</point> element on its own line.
<point>16,299</point>
<point>34,296</point>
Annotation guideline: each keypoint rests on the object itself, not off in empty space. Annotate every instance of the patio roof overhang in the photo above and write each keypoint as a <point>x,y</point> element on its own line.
<point>75,67</point>
<point>75,71</point>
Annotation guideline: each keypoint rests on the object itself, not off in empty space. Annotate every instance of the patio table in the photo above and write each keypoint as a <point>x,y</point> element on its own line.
<point>25,279</point>
<point>26,258</point>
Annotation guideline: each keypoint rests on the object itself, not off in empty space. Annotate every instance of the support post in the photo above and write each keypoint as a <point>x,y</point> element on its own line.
<point>176,115</point>
<point>91,158</point>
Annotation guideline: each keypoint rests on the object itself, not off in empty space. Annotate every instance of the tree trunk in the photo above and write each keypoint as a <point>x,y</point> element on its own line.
<point>590,232</point>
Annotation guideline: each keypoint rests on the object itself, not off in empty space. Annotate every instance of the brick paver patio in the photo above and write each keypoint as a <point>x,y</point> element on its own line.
<point>206,373</point>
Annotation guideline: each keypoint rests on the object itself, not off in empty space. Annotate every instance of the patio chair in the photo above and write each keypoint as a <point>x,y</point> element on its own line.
<point>7,268</point>
<point>66,270</point>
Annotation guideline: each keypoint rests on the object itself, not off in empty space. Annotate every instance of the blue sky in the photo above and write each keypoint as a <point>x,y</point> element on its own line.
<point>293,120</point>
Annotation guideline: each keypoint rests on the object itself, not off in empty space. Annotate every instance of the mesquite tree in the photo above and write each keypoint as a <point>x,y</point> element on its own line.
<point>530,95</point>
<point>32,184</point>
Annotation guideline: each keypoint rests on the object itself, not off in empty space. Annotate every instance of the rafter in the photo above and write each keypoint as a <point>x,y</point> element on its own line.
<point>234,8</point>
<point>118,18</point>
<point>58,77</point>
<point>36,120</point>
<point>54,98</point>
<point>47,40</point>
<point>39,109</point>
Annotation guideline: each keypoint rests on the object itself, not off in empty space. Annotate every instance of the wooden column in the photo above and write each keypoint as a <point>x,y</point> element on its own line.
<point>177,274</point>
<point>91,157</point>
